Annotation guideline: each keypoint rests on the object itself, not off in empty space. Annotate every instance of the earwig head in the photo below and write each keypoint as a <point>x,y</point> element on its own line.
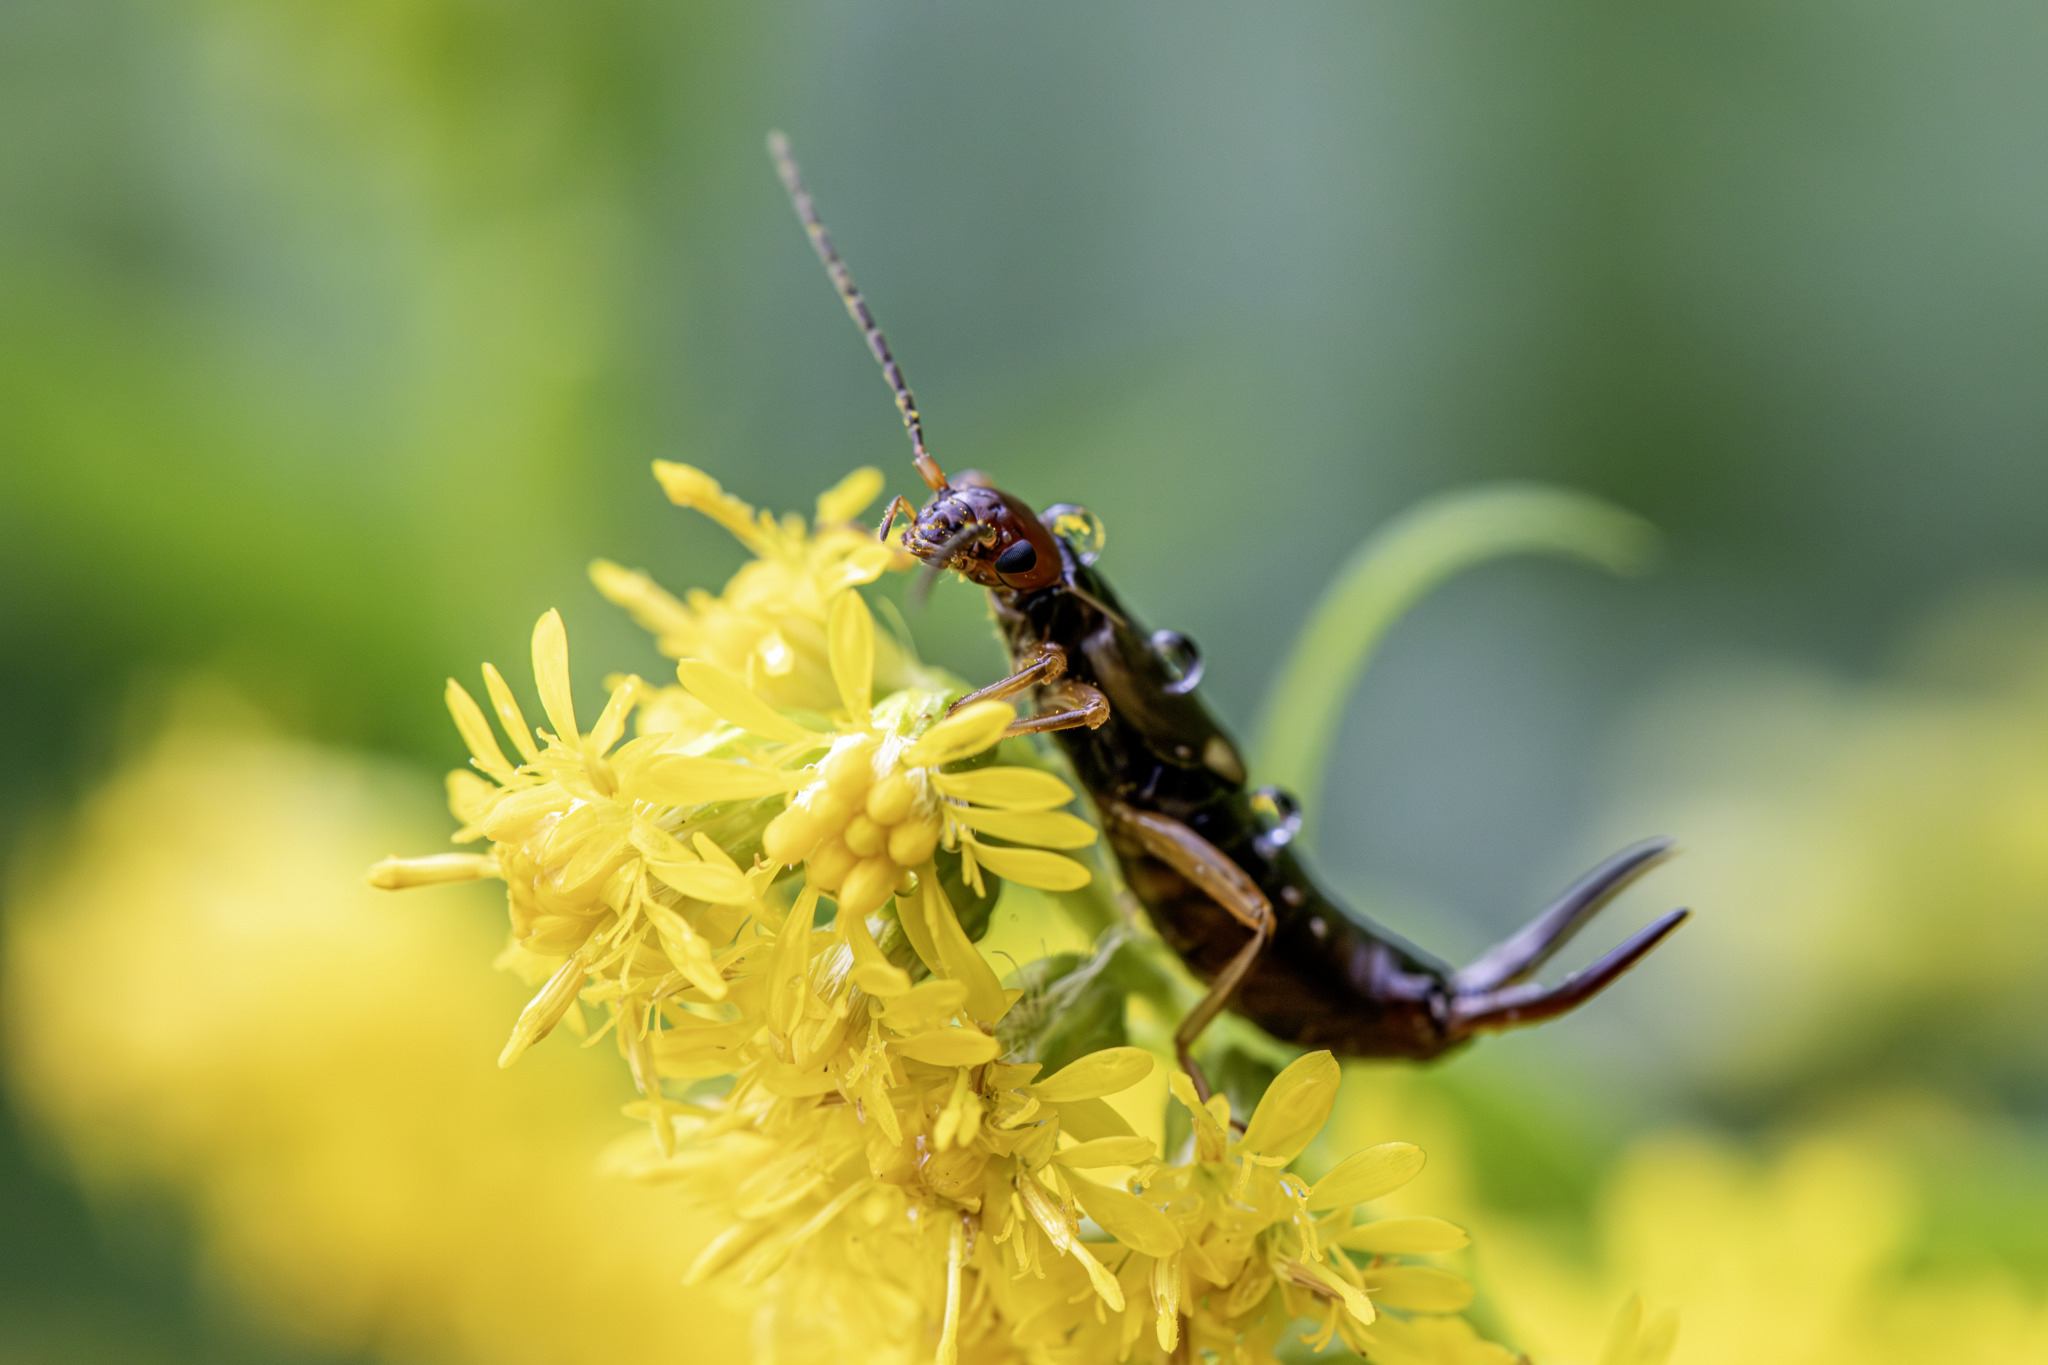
<point>986,535</point>
<point>969,527</point>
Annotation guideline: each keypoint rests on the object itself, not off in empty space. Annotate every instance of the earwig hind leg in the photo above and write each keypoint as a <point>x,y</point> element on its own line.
<point>1081,705</point>
<point>1224,882</point>
<point>1049,666</point>
<point>1529,947</point>
<point>898,506</point>
<point>1516,1006</point>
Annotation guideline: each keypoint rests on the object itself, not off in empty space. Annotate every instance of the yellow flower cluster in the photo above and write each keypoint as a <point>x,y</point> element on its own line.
<point>951,1215</point>
<point>623,860</point>
<point>835,1088</point>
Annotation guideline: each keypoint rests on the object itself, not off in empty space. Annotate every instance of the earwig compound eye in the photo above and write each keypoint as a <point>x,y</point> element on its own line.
<point>1020,558</point>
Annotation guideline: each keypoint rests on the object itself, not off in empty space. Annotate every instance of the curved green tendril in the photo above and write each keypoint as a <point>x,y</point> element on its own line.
<point>1390,573</point>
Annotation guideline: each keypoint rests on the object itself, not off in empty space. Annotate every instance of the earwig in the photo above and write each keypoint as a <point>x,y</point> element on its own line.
<point>1210,858</point>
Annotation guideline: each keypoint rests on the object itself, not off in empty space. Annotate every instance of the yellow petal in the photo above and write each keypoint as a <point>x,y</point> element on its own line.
<point>1091,1120</point>
<point>709,850</point>
<point>704,881</point>
<point>950,1047</point>
<point>1212,1134</point>
<point>1294,1108</point>
<point>688,486</point>
<point>399,874</point>
<point>1403,1236</point>
<point>476,732</point>
<point>789,969</point>
<point>1006,788</point>
<point>551,675</point>
<point>1355,1301</point>
<point>611,722</point>
<point>872,972</point>
<point>1371,1174</point>
<point>1127,1218</point>
<point>545,1010</point>
<point>732,701</point>
<point>1106,1072</point>
<point>1631,1342</point>
<point>961,735</point>
<point>509,714</point>
<point>686,949</point>
<point>925,1006</point>
<point>685,780</point>
<point>1033,867</point>
<point>1039,828</point>
<point>653,608</point>
<point>850,642</point>
<point>1115,1151</point>
<point>1418,1288</point>
<point>848,498</point>
<point>958,957</point>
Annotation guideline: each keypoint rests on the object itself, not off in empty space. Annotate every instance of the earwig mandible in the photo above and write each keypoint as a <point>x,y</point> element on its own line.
<point>1209,857</point>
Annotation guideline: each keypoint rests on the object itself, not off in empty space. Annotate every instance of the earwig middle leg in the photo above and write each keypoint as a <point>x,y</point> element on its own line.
<point>1081,705</point>
<point>1224,882</point>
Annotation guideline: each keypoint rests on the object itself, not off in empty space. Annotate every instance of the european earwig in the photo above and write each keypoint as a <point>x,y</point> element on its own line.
<point>1209,857</point>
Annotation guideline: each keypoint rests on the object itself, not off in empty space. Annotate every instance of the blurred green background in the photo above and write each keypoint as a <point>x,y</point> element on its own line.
<point>336,339</point>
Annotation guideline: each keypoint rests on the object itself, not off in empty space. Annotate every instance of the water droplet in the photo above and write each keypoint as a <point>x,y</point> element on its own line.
<point>1279,812</point>
<point>1181,658</point>
<point>1079,527</point>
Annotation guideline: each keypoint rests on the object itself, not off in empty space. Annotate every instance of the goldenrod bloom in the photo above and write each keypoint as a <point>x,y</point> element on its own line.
<point>834,1090</point>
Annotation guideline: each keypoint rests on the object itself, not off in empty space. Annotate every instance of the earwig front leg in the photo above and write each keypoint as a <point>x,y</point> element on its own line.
<point>1224,882</point>
<point>1050,665</point>
<point>898,506</point>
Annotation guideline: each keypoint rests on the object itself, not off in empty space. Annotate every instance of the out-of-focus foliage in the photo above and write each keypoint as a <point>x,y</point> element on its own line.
<point>205,1000</point>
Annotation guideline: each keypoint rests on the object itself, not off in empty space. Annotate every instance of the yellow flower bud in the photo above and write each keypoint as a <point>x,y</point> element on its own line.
<point>829,864</point>
<point>850,767</point>
<point>911,844</point>
<point>870,884</point>
<point>890,800</point>
<point>865,837</point>
<point>791,836</point>
<point>832,808</point>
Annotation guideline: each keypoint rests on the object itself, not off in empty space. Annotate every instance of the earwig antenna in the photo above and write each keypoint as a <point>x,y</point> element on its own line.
<point>850,295</point>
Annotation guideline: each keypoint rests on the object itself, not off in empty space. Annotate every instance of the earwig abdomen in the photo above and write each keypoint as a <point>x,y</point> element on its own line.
<point>1328,978</point>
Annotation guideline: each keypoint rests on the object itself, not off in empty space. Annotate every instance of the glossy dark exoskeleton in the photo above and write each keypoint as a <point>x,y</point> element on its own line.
<point>1210,857</point>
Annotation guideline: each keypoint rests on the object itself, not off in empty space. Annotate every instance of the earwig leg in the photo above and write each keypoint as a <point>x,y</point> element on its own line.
<point>1083,705</point>
<point>1514,1006</point>
<point>898,506</point>
<point>1049,666</point>
<point>1224,882</point>
<point>1529,947</point>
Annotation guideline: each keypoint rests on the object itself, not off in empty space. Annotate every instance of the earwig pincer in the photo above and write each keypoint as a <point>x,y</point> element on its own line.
<point>1210,857</point>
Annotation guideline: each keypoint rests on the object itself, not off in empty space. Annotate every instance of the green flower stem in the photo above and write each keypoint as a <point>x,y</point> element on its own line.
<point>1392,571</point>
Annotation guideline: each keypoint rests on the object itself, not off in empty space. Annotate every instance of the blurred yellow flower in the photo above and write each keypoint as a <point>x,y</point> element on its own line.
<point>202,994</point>
<point>1796,1262</point>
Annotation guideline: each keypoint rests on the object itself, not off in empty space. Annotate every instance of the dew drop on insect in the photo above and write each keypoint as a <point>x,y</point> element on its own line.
<point>1279,812</point>
<point>1183,661</point>
<point>1079,527</point>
